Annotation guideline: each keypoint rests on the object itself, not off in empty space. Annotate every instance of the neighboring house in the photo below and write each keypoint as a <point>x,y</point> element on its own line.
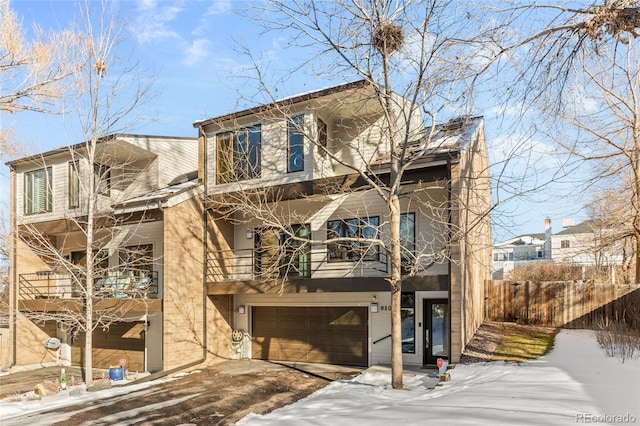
<point>150,191</point>
<point>331,303</point>
<point>520,249</point>
<point>585,244</point>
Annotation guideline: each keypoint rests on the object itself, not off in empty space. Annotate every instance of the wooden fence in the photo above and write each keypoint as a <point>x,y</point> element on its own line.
<point>571,304</point>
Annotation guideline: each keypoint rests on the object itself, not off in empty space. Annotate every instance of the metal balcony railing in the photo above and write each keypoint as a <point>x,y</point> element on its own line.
<point>254,264</point>
<point>118,284</point>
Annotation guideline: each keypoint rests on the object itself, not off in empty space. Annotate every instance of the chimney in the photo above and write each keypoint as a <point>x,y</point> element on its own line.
<point>547,238</point>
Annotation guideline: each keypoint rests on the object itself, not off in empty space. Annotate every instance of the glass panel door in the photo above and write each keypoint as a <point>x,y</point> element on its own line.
<point>436,331</point>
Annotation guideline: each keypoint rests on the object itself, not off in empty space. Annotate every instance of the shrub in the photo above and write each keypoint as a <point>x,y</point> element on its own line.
<point>618,339</point>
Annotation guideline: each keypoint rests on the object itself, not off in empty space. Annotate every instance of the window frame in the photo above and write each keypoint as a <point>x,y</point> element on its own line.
<point>73,184</point>
<point>295,144</point>
<point>565,244</point>
<point>353,251</point>
<point>102,174</point>
<point>28,191</point>
<point>407,255</point>
<point>323,136</point>
<point>405,307</point>
<point>239,154</point>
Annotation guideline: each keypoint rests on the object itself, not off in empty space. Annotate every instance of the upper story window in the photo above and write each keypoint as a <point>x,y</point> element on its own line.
<point>103,178</point>
<point>38,191</point>
<point>239,154</point>
<point>564,244</point>
<point>295,146</point>
<point>322,137</point>
<point>356,228</point>
<point>74,185</point>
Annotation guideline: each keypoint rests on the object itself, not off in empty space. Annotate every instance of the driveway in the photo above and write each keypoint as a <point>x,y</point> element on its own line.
<point>217,395</point>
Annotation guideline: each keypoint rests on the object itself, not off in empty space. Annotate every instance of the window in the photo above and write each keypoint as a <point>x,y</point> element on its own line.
<point>277,254</point>
<point>502,257</point>
<point>322,137</point>
<point>358,228</point>
<point>37,191</point>
<point>564,244</point>
<point>407,240</point>
<point>408,315</point>
<point>74,185</point>
<point>296,144</point>
<point>103,179</point>
<point>239,155</point>
<point>137,259</point>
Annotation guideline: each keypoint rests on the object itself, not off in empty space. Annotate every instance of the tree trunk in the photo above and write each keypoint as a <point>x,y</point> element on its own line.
<point>396,297</point>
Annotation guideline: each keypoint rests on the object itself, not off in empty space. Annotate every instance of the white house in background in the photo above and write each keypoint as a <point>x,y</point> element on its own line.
<point>581,244</point>
<point>523,248</point>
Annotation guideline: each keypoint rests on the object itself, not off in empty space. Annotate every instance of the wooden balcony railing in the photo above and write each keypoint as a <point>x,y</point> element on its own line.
<point>118,284</point>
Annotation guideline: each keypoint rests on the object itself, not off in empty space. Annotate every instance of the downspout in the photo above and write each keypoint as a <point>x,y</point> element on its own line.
<point>449,236</point>
<point>164,373</point>
<point>12,267</point>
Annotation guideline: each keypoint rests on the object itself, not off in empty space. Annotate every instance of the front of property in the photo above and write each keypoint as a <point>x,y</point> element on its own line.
<point>290,215</point>
<point>267,238</point>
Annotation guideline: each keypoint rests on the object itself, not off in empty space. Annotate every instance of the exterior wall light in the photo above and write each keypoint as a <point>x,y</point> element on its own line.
<point>240,309</point>
<point>374,307</point>
<point>249,234</point>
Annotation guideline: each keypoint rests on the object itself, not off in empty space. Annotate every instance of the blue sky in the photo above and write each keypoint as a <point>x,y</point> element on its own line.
<point>192,49</point>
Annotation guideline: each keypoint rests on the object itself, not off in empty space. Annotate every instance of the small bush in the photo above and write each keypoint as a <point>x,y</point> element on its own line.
<point>618,339</point>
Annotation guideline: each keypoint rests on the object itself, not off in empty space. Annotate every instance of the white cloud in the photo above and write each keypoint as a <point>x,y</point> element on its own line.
<point>219,7</point>
<point>152,23</point>
<point>197,51</point>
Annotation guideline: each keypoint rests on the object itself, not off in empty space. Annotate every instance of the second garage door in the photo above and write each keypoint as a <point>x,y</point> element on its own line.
<point>334,335</point>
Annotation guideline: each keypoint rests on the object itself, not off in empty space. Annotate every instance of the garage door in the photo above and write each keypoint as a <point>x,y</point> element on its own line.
<point>333,335</point>
<point>121,340</point>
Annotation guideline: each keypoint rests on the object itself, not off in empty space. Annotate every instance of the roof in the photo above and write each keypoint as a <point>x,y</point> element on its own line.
<point>65,149</point>
<point>586,227</point>
<point>283,102</point>
<point>178,186</point>
<point>448,137</point>
<point>521,240</point>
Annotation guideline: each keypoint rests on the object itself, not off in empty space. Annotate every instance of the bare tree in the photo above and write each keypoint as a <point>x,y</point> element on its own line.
<point>32,72</point>
<point>417,69</point>
<point>580,74</point>
<point>107,88</point>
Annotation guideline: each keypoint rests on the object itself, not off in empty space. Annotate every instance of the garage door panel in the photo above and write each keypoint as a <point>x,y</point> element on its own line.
<point>312,334</point>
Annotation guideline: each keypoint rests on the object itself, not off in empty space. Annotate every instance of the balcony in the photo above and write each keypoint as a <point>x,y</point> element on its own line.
<point>260,265</point>
<point>48,285</point>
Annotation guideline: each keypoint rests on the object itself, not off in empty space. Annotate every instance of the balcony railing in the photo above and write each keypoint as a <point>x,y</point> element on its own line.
<point>252,264</point>
<point>119,284</point>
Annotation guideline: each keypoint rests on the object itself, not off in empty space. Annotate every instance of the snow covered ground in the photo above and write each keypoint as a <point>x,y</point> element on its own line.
<point>574,384</point>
